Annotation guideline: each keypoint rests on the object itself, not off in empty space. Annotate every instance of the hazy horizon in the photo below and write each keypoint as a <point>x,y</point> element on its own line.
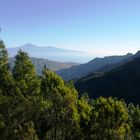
<point>99,27</point>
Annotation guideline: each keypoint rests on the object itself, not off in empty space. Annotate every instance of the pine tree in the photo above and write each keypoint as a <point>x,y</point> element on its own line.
<point>109,119</point>
<point>85,111</point>
<point>25,75</point>
<point>7,83</point>
<point>61,113</point>
<point>3,55</point>
<point>134,120</point>
<point>10,96</point>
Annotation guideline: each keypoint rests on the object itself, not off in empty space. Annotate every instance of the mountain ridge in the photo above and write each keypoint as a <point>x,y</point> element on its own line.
<point>52,53</point>
<point>94,65</point>
<point>122,82</point>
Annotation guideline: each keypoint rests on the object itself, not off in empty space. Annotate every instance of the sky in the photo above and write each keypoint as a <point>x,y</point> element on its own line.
<point>101,27</point>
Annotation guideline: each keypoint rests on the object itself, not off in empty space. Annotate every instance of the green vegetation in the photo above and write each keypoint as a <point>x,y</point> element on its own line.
<point>46,108</point>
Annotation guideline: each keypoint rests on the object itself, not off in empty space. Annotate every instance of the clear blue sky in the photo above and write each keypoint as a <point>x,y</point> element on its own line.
<point>103,27</point>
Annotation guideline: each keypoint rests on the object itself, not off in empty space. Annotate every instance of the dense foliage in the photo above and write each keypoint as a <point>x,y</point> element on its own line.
<point>47,108</point>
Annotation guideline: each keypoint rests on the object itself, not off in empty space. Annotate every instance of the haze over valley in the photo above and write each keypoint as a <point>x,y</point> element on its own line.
<point>52,53</point>
<point>78,78</point>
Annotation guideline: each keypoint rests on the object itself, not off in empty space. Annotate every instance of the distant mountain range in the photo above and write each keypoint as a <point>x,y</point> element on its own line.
<point>39,63</point>
<point>52,53</point>
<point>95,65</point>
<point>121,82</point>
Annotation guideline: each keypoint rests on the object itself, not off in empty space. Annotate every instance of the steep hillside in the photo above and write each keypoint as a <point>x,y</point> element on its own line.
<point>122,82</point>
<point>79,71</point>
<point>115,65</point>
